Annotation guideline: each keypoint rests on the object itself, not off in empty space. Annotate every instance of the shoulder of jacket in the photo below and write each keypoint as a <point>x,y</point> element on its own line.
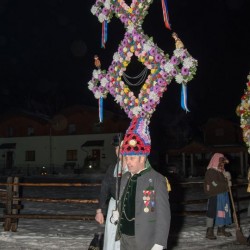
<point>154,174</point>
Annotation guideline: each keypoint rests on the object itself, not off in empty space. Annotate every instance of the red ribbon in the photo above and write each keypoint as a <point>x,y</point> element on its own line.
<point>104,33</point>
<point>165,14</point>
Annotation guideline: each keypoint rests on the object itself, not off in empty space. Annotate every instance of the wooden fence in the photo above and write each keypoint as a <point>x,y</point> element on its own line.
<point>11,200</point>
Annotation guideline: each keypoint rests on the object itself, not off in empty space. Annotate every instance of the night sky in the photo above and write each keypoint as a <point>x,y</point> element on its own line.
<point>47,49</point>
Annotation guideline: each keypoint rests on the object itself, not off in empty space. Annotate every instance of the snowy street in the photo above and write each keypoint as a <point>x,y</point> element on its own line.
<point>43,234</point>
<point>55,234</point>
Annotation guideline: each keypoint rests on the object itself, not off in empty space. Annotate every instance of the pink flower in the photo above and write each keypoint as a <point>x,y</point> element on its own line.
<point>158,57</point>
<point>174,60</point>
<point>174,72</point>
<point>185,71</point>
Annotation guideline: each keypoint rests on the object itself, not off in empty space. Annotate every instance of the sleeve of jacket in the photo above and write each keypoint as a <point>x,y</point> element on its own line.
<point>214,183</point>
<point>105,188</point>
<point>163,216</point>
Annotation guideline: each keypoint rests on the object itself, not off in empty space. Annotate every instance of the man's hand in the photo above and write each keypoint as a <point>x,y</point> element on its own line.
<point>99,216</point>
<point>157,247</point>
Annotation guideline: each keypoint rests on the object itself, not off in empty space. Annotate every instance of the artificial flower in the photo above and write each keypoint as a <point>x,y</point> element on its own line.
<point>243,110</point>
<point>179,78</point>
<point>181,66</point>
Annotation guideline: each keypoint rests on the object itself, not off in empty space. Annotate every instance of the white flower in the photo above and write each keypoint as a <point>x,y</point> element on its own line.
<point>188,62</point>
<point>118,98</point>
<point>94,9</point>
<point>96,73</point>
<point>168,67</point>
<point>104,81</point>
<point>146,47</point>
<point>153,96</point>
<point>150,42</point>
<point>107,4</point>
<point>179,52</point>
<point>101,18</point>
<point>130,28</point>
<point>136,110</point>
<point>90,85</point>
<point>98,94</point>
<point>179,78</point>
<point>116,57</point>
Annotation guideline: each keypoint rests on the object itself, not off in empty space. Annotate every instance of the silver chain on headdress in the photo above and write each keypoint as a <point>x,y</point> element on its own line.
<point>141,75</point>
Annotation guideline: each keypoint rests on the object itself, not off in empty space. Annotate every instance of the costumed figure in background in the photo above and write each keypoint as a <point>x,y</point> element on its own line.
<point>248,190</point>
<point>108,193</point>
<point>248,210</point>
<point>144,210</point>
<point>216,186</point>
<point>243,111</point>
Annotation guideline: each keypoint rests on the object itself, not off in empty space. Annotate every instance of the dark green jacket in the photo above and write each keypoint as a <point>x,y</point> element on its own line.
<point>151,227</point>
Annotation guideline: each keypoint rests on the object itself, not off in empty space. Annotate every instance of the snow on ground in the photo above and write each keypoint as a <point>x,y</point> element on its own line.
<point>40,234</point>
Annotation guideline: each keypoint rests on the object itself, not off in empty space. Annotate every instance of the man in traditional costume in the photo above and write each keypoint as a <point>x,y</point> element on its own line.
<point>144,210</point>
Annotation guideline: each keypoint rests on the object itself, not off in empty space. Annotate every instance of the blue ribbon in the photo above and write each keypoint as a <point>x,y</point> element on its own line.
<point>101,109</point>
<point>184,98</point>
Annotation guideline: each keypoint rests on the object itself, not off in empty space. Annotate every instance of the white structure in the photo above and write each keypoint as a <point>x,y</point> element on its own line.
<point>56,154</point>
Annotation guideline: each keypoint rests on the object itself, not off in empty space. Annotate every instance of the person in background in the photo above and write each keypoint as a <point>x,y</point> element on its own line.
<point>144,210</point>
<point>216,186</point>
<point>108,193</point>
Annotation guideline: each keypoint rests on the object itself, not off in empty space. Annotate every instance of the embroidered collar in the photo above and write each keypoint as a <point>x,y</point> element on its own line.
<point>142,172</point>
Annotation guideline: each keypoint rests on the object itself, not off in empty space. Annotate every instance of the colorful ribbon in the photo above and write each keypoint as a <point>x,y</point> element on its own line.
<point>184,98</point>
<point>100,109</point>
<point>104,33</point>
<point>165,14</point>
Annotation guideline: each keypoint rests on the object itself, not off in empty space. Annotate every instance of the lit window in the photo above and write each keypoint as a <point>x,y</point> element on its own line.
<point>30,156</point>
<point>71,155</point>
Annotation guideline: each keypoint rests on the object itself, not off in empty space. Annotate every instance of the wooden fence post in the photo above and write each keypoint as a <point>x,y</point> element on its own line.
<point>8,207</point>
<point>15,203</point>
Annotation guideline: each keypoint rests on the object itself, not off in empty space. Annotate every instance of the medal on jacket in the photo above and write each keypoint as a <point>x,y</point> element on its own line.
<point>146,199</point>
<point>149,197</point>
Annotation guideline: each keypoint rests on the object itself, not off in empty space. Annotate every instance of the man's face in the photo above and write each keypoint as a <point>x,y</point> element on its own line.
<point>135,163</point>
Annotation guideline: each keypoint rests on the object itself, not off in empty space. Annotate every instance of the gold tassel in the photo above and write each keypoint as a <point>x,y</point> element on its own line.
<point>168,185</point>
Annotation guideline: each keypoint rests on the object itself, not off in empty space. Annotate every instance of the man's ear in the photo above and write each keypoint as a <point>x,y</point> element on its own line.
<point>142,159</point>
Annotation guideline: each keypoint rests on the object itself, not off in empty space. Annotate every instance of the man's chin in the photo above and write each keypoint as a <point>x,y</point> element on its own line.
<point>130,170</point>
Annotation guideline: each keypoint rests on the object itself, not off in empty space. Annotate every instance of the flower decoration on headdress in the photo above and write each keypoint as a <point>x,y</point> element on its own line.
<point>181,66</point>
<point>243,110</point>
<point>161,68</point>
<point>137,138</point>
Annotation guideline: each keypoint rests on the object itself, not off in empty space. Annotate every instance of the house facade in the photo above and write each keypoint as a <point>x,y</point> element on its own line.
<point>73,141</point>
<point>219,135</point>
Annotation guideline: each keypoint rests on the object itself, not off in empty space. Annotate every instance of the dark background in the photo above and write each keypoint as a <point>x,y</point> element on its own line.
<point>47,49</point>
